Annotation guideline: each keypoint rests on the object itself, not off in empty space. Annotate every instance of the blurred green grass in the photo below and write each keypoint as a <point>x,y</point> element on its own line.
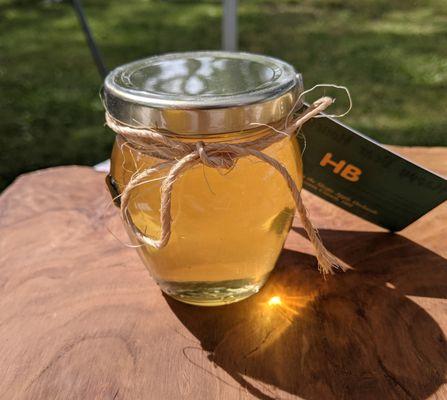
<point>391,54</point>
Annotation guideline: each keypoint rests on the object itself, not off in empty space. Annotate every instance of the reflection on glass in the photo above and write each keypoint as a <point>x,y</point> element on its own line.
<point>205,75</point>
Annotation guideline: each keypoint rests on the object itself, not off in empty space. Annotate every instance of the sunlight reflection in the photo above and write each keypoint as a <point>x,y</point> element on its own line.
<point>274,301</point>
<point>280,308</point>
<point>288,306</point>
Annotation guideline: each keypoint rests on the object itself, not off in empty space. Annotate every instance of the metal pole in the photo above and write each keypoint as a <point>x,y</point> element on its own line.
<point>229,25</point>
<point>94,50</point>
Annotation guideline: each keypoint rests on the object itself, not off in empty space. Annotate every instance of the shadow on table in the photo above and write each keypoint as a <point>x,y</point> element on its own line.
<point>355,335</point>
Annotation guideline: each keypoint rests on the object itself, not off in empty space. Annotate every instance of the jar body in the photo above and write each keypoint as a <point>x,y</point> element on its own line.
<point>228,226</point>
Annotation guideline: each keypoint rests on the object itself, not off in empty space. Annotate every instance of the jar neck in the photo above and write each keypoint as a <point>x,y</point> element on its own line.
<point>256,132</point>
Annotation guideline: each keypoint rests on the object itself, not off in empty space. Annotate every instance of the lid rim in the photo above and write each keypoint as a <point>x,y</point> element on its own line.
<point>167,103</point>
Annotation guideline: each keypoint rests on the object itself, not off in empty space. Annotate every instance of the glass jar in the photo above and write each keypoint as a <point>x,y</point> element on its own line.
<point>228,225</point>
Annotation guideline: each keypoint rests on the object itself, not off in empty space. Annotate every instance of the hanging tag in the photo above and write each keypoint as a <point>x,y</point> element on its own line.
<point>361,176</point>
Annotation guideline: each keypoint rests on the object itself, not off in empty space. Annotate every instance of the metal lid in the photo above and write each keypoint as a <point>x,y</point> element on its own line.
<point>202,92</point>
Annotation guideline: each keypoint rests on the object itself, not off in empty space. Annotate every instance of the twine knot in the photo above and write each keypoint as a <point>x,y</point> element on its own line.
<point>218,160</point>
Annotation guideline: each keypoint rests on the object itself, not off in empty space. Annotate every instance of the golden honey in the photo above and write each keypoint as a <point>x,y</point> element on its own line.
<point>228,225</point>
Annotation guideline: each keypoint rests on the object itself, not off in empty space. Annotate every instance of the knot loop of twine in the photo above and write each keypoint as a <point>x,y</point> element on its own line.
<point>219,160</point>
<point>177,157</point>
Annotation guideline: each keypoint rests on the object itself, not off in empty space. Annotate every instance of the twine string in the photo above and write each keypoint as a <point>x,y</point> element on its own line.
<point>177,157</point>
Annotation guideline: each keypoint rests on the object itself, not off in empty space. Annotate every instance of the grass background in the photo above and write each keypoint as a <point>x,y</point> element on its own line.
<point>392,54</point>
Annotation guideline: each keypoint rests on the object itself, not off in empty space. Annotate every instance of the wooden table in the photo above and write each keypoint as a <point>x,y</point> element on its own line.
<point>80,318</point>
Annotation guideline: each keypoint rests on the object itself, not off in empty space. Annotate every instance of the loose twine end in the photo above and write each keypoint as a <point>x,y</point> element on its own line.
<point>177,157</point>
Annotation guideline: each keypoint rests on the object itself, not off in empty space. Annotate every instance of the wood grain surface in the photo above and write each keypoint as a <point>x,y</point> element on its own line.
<point>80,318</point>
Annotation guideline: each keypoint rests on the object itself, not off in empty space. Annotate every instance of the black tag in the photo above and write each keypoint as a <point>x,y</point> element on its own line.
<point>359,175</point>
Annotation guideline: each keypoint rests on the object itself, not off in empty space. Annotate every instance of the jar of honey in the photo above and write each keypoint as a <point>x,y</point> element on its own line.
<point>227,224</point>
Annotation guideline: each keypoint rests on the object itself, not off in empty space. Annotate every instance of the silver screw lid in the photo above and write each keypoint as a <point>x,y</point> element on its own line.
<point>204,92</point>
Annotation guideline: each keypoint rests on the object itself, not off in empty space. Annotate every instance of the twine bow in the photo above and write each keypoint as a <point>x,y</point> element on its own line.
<point>177,157</point>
